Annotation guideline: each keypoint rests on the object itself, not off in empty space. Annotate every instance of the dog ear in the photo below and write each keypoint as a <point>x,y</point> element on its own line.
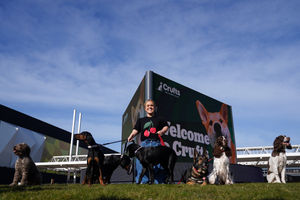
<point>224,112</point>
<point>278,142</point>
<point>26,149</point>
<point>205,152</point>
<point>202,112</point>
<point>195,155</point>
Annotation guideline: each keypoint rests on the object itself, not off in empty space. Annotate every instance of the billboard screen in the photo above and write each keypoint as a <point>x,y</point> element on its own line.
<point>134,110</point>
<point>195,120</point>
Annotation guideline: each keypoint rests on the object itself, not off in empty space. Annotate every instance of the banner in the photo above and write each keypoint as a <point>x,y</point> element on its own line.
<point>195,120</point>
<point>134,110</point>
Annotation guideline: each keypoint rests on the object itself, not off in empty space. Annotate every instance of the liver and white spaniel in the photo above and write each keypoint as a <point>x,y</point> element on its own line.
<point>277,162</point>
<point>220,173</point>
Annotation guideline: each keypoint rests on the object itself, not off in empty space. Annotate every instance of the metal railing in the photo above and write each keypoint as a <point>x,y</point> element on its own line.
<point>62,163</point>
<point>259,156</point>
<point>262,150</point>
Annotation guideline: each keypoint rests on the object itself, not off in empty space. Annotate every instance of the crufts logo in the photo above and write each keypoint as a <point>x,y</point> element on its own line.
<point>163,87</point>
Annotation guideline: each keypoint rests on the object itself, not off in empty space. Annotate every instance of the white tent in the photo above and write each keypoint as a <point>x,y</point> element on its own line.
<point>10,135</point>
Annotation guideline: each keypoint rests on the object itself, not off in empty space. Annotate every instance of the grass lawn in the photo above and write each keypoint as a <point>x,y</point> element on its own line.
<point>262,191</point>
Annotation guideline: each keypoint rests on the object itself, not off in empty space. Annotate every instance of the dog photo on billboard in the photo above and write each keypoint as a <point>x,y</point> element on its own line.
<point>216,124</point>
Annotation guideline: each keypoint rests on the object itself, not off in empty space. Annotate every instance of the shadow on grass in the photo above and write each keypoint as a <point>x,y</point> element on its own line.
<point>112,198</point>
<point>272,199</point>
<point>7,188</point>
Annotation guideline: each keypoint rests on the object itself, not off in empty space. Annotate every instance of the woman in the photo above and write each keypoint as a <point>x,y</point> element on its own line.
<point>151,128</point>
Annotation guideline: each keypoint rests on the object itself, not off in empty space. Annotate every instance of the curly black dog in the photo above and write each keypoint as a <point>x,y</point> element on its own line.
<point>95,158</point>
<point>25,169</point>
<point>111,162</point>
<point>151,156</point>
<point>197,174</point>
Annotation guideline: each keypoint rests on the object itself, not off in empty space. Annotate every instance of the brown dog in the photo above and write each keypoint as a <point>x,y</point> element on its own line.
<point>25,169</point>
<point>199,171</point>
<point>95,159</point>
<point>216,124</point>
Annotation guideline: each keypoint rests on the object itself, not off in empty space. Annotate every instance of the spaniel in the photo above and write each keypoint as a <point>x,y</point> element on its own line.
<point>277,162</point>
<point>220,173</point>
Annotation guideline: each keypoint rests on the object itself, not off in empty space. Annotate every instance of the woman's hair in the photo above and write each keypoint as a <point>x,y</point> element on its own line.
<point>148,101</point>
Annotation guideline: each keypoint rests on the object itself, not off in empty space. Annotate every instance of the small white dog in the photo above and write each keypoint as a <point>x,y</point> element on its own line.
<point>277,162</point>
<point>220,173</point>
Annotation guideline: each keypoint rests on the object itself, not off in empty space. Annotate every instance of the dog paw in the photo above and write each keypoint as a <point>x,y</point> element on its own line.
<point>204,183</point>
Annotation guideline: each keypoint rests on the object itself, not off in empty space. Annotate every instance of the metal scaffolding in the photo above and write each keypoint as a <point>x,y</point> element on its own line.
<point>259,156</point>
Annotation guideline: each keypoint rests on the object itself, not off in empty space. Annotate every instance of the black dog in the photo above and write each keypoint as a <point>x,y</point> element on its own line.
<point>151,156</point>
<point>111,163</point>
<point>197,174</point>
<point>95,158</point>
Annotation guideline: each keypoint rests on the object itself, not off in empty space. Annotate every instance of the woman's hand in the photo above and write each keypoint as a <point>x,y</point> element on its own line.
<point>132,134</point>
<point>162,131</point>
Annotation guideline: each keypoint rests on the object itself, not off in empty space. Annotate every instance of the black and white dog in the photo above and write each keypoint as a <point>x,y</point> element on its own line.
<point>151,156</point>
<point>277,162</point>
<point>220,173</point>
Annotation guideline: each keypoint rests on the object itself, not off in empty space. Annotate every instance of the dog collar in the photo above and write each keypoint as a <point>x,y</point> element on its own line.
<point>92,146</point>
<point>137,150</point>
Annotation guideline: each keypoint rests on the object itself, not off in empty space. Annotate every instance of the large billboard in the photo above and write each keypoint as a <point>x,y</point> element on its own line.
<point>195,120</point>
<point>134,110</point>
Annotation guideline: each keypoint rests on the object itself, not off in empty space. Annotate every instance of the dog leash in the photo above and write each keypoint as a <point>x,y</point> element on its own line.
<point>137,149</point>
<point>114,142</point>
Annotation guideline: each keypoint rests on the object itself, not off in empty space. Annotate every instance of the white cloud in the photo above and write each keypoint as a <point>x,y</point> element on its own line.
<point>92,56</point>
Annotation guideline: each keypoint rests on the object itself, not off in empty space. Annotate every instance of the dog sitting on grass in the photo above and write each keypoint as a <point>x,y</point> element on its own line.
<point>220,173</point>
<point>197,174</point>
<point>95,159</point>
<point>25,169</point>
<point>277,162</point>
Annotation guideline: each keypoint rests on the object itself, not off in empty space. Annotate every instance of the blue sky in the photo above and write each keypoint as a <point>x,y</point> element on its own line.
<point>91,55</point>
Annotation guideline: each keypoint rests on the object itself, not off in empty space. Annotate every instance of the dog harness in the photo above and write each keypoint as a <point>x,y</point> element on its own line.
<point>198,179</point>
<point>138,149</point>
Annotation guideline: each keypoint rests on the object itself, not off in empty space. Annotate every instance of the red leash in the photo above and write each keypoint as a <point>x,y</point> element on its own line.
<point>161,140</point>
